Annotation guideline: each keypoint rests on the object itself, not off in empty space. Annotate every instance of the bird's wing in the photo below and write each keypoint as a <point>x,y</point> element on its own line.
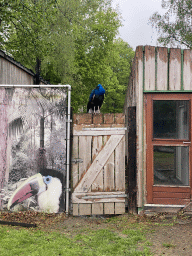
<point>91,95</point>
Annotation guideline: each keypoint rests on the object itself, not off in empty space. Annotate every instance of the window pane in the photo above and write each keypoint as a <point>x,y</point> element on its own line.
<point>171,119</point>
<point>171,165</point>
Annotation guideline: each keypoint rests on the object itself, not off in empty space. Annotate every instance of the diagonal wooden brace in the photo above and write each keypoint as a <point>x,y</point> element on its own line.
<point>98,164</point>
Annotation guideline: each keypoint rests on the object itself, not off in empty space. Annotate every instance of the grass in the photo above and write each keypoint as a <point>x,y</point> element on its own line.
<point>100,242</point>
<point>168,245</point>
<point>89,236</point>
<point>164,224</point>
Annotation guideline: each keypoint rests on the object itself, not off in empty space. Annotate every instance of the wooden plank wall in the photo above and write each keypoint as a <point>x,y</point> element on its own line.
<point>13,74</point>
<point>87,145</point>
<point>166,69</point>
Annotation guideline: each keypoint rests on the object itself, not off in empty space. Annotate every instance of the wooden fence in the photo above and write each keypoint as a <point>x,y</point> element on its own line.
<point>98,164</point>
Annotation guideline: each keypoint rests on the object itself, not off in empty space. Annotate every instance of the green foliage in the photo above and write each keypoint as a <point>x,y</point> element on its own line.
<point>175,25</point>
<point>24,29</point>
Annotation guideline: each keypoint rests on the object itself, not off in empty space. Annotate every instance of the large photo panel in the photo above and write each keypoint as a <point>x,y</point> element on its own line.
<point>32,149</point>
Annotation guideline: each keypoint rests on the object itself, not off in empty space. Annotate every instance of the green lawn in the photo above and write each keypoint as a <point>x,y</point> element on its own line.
<point>88,241</point>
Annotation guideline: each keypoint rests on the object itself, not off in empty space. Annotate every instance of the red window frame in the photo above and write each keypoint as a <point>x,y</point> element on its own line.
<point>165,194</point>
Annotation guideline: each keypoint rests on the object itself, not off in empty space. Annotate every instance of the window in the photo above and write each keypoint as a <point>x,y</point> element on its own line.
<point>168,149</point>
<point>171,119</point>
<point>171,165</point>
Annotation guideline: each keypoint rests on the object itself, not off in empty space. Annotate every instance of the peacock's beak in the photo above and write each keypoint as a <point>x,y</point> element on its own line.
<point>30,187</point>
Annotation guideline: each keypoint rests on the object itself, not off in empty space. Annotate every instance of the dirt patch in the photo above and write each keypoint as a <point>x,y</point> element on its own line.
<point>165,235</point>
<point>171,240</point>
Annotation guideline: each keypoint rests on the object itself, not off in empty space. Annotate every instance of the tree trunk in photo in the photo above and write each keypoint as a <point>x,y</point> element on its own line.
<point>3,138</point>
<point>41,155</point>
<point>42,132</point>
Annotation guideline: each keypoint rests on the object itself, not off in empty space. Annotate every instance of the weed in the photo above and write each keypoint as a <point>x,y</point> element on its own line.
<point>148,243</point>
<point>168,245</point>
<point>164,224</point>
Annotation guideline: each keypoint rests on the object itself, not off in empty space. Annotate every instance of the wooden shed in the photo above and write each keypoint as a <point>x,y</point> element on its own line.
<point>158,112</point>
<point>13,72</point>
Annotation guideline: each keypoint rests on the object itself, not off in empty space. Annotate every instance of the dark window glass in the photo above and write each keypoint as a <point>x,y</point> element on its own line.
<point>171,165</point>
<point>171,119</point>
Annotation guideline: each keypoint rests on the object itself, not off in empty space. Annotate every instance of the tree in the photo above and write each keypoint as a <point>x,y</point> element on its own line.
<point>25,27</point>
<point>58,64</point>
<point>175,26</point>
<point>120,63</point>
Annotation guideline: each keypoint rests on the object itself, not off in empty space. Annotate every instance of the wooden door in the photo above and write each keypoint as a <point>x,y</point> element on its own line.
<point>99,173</point>
<point>168,138</point>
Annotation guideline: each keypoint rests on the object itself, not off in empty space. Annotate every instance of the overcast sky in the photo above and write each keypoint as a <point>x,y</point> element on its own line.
<point>136,29</point>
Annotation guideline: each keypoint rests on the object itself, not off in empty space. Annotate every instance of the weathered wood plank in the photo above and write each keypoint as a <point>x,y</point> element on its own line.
<point>97,144</point>
<point>11,74</point>
<point>99,132</point>
<point>77,200</point>
<point>120,166</point>
<point>84,209</point>
<point>3,71</point>
<point>139,122</point>
<point>75,209</point>
<point>116,128</point>
<point>109,193</point>
<point>75,167</point>
<point>98,163</point>
<point>86,198</point>
<point>84,153</point>
<point>97,209</point>
<point>109,208</point>
<point>119,208</point>
<point>175,69</point>
<point>149,68</point>
<point>187,70</point>
<point>162,68</point>
<point>109,174</point>
<point>109,169</point>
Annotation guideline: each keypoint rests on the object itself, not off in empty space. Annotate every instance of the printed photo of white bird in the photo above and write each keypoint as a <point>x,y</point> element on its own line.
<point>47,188</point>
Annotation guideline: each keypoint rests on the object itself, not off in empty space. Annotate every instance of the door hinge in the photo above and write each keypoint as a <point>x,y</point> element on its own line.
<point>77,160</point>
